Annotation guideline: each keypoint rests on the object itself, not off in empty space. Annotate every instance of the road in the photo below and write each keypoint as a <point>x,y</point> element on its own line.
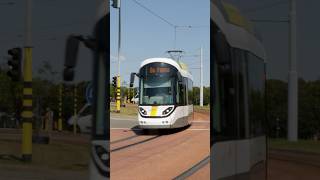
<point>158,154</point>
<point>66,157</point>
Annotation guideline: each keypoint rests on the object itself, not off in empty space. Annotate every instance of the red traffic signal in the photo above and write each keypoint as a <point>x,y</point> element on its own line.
<point>114,81</point>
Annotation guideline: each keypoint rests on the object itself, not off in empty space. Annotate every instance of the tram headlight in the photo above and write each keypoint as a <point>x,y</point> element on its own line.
<point>166,111</point>
<point>142,111</point>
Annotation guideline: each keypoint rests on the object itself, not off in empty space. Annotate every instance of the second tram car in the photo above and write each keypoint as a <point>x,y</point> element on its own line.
<point>238,126</point>
<point>165,94</point>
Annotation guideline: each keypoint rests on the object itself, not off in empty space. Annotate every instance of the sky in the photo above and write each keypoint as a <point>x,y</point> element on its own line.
<point>146,36</point>
<point>275,35</point>
<point>52,22</point>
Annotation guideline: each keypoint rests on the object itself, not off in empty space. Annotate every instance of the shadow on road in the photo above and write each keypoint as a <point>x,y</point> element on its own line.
<point>138,131</point>
<point>10,157</point>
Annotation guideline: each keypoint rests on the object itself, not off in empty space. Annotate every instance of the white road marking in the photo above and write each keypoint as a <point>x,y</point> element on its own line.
<point>123,119</point>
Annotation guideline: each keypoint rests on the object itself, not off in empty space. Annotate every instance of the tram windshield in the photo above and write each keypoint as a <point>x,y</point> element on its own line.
<point>157,84</point>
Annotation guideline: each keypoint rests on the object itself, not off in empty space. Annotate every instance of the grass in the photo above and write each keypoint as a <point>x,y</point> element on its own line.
<point>301,145</point>
<point>129,110</point>
<point>55,155</point>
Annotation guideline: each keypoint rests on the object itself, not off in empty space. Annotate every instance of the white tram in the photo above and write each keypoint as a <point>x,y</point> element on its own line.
<point>165,94</point>
<point>238,126</point>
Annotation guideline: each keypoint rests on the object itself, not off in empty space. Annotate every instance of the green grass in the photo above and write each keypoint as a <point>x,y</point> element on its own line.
<point>301,145</point>
<point>55,155</point>
<point>129,110</point>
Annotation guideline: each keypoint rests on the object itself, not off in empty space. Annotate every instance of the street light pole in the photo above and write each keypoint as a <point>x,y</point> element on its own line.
<point>201,78</point>
<point>293,78</point>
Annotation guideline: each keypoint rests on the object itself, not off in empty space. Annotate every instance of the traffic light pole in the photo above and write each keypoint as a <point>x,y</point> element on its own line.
<point>118,98</point>
<point>27,114</point>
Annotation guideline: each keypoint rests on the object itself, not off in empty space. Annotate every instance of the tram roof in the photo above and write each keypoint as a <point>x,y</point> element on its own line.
<point>240,32</point>
<point>182,68</point>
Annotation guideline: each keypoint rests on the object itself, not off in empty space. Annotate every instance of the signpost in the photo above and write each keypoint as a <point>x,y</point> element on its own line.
<point>89,94</point>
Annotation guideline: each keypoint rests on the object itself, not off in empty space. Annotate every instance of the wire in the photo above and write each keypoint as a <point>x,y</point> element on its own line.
<point>265,6</point>
<point>153,13</point>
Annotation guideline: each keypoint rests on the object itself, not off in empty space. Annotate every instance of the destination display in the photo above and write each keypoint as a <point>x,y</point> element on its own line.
<point>157,70</point>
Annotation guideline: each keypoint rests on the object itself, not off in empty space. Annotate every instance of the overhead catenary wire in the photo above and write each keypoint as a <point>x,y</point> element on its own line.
<point>168,22</point>
<point>153,13</point>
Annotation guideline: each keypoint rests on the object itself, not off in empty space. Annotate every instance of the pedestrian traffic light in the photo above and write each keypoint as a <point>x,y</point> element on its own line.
<point>15,63</point>
<point>116,3</point>
<point>114,81</point>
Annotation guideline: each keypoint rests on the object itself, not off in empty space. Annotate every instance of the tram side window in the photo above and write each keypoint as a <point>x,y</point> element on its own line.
<point>256,95</point>
<point>181,92</point>
<point>224,122</point>
<point>241,75</point>
<point>190,92</point>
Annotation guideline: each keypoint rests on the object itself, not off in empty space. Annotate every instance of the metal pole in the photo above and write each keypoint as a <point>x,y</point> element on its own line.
<point>118,99</point>
<point>201,78</point>
<point>293,78</point>
<point>27,114</point>
<point>175,36</point>
<point>60,107</point>
<point>75,109</point>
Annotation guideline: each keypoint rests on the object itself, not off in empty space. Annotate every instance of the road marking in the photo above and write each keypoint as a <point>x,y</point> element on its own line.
<point>123,119</point>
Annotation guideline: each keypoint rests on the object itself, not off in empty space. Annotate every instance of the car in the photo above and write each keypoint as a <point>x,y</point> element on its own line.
<point>135,99</point>
<point>83,120</point>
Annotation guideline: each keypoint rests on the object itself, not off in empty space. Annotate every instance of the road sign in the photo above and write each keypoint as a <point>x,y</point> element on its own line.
<point>89,94</point>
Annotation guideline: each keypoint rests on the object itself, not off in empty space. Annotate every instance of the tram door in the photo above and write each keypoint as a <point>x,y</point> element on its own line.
<point>224,125</point>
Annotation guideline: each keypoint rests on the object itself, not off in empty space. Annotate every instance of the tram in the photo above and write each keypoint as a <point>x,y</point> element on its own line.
<point>165,94</point>
<point>238,126</point>
<point>98,43</point>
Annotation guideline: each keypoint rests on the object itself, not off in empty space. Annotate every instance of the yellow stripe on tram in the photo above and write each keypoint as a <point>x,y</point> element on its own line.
<point>154,110</point>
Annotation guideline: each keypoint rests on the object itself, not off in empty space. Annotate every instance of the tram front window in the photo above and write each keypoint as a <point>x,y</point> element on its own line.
<point>157,84</point>
<point>156,90</point>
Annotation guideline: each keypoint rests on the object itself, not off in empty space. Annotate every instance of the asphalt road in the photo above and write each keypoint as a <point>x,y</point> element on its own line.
<point>123,122</point>
<point>158,154</point>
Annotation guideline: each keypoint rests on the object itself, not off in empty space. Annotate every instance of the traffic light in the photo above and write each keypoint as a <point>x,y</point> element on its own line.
<point>114,81</point>
<point>116,3</point>
<point>15,63</point>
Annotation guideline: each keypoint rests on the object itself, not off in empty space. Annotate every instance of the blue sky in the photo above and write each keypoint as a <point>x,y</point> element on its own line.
<point>145,36</point>
<point>275,35</point>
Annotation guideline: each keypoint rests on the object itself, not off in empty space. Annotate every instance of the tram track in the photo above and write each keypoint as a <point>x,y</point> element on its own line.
<point>124,139</point>
<point>193,169</point>
<point>134,144</point>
